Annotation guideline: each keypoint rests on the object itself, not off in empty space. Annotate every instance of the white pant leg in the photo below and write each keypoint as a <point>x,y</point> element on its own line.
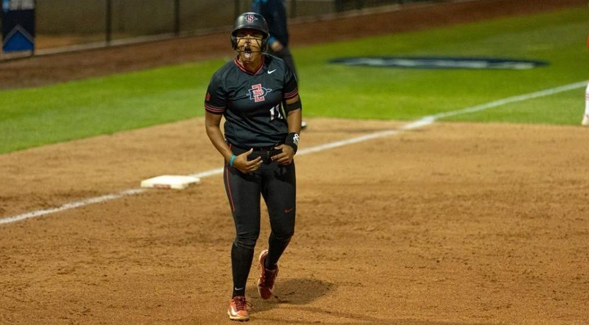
<point>587,100</point>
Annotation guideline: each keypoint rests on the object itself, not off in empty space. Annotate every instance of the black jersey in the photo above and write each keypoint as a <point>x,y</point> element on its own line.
<point>252,101</point>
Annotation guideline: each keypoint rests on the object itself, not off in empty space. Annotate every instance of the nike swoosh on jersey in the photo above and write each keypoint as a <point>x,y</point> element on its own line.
<point>271,71</point>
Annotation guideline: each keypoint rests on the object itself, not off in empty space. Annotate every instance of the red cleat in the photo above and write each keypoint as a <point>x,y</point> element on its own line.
<point>238,309</point>
<point>267,278</point>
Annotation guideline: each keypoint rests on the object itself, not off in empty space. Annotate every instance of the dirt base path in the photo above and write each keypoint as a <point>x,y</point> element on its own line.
<point>449,224</point>
<point>58,68</point>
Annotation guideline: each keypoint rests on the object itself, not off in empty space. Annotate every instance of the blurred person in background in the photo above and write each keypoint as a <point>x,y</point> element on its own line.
<point>274,11</point>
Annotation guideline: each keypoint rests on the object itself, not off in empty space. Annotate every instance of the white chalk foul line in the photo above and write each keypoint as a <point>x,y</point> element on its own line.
<point>427,120</point>
<point>73,205</point>
<point>513,99</point>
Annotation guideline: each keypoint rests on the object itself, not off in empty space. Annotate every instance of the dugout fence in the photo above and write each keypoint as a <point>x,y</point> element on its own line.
<point>70,24</point>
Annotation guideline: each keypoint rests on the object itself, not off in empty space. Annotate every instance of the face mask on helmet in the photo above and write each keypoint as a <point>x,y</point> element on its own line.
<point>249,40</point>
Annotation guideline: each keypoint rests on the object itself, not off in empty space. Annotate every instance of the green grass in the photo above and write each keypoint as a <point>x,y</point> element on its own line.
<point>564,108</point>
<point>408,94</point>
<point>73,110</point>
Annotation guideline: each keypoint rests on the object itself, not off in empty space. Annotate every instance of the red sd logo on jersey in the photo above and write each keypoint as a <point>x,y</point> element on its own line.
<point>258,93</point>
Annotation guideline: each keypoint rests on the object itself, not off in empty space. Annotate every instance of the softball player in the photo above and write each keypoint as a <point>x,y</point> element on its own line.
<point>258,96</point>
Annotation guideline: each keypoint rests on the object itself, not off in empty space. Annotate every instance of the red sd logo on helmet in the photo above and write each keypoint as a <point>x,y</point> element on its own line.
<point>250,18</point>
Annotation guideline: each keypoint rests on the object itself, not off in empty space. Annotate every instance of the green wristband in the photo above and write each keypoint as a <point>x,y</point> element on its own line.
<point>231,160</point>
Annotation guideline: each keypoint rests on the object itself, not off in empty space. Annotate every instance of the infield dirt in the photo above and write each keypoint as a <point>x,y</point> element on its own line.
<point>453,223</point>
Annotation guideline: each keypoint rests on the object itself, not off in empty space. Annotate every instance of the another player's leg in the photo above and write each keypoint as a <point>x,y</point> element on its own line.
<point>585,121</point>
<point>243,192</point>
<point>279,191</point>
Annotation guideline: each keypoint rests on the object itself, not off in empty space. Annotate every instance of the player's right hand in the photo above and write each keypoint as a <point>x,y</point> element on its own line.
<point>247,166</point>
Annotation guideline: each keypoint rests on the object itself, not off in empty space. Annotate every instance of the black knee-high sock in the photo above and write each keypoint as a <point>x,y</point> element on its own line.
<point>241,261</point>
<point>276,247</point>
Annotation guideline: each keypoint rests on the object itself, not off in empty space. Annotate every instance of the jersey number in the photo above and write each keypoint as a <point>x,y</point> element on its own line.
<point>275,113</point>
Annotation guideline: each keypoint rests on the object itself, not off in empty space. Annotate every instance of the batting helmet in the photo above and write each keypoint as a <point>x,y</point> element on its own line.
<point>250,20</point>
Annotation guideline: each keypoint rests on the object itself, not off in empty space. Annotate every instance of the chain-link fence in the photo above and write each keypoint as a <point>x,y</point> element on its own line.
<point>62,23</point>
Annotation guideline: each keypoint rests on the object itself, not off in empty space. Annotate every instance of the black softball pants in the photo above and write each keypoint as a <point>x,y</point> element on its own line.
<point>277,185</point>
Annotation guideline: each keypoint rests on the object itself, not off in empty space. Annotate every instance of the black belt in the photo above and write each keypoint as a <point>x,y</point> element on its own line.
<point>265,152</point>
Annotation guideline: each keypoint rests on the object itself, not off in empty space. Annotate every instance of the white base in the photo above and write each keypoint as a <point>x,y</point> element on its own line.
<point>170,181</point>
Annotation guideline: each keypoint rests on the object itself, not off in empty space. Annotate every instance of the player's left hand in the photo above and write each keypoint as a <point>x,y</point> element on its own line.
<point>285,157</point>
